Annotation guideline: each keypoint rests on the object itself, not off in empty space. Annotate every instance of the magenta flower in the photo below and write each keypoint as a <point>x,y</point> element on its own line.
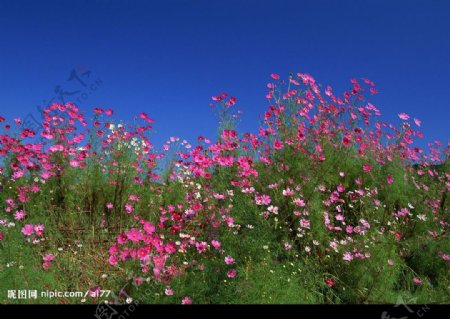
<point>48,257</point>
<point>46,265</point>
<point>186,301</point>
<point>134,235</point>
<point>171,247</point>
<point>229,260</point>
<point>417,281</point>
<point>390,179</point>
<point>277,144</point>
<point>232,273</point>
<point>19,215</point>
<point>74,163</point>
<point>201,247</point>
<point>216,244</point>
<point>113,260</point>
<point>122,238</point>
<point>149,228</point>
<point>275,76</point>
<point>94,291</point>
<point>28,230</point>
<point>129,208</point>
<point>262,200</point>
<point>142,253</point>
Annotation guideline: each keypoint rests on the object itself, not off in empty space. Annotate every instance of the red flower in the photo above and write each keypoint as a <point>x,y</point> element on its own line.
<point>329,282</point>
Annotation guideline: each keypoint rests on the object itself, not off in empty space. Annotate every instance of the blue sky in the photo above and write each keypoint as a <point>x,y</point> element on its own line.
<point>167,58</point>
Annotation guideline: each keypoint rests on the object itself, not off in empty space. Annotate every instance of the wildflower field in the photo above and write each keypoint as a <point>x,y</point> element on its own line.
<point>324,204</point>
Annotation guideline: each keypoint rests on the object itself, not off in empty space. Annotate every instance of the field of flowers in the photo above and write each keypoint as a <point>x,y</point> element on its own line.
<point>324,203</point>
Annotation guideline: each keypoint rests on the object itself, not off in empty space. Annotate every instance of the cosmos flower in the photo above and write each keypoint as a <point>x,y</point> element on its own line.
<point>28,230</point>
<point>229,260</point>
<point>232,273</point>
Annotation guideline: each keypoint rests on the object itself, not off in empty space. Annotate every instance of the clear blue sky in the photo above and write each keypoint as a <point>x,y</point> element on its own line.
<point>168,58</point>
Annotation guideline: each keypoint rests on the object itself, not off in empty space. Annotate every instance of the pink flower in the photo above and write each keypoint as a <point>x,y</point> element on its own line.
<point>142,253</point>
<point>94,291</point>
<point>417,281</point>
<point>186,301</point>
<point>277,144</point>
<point>122,238</point>
<point>304,223</point>
<point>114,249</point>
<point>39,229</point>
<point>48,257</point>
<point>390,262</point>
<point>229,260</point>
<point>216,244</point>
<point>347,256</point>
<point>113,260</point>
<point>109,205</point>
<point>201,247</point>
<point>133,197</point>
<point>28,230</point>
<point>367,168</point>
<point>19,215</point>
<point>129,208</point>
<point>232,273</point>
<point>262,200</point>
<point>299,202</point>
<point>403,116</point>
<point>74,163</point>
<point>168,292</point>
<point>275,76</point>
<point>390,179</point>
<point>171,247</point>
<point>46,265</point>
<point>149,228</point>
<point>418,122</point>
<point>1,236</point>
<point>134,235</point>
